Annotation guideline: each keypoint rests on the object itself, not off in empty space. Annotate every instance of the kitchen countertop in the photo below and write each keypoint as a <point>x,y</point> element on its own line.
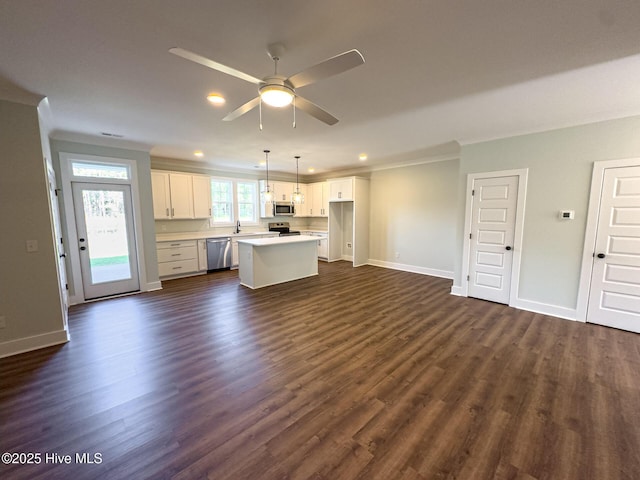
<point>174,237</point>
<point>264,242</point>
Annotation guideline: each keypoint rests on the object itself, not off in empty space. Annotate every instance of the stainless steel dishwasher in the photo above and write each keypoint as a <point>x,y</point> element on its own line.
<point>218,253</point>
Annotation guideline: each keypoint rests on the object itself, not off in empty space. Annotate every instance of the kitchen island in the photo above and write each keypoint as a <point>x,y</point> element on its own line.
<point>268,261</point>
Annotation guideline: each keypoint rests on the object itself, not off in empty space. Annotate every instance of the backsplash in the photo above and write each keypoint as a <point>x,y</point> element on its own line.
<point>202,225</point>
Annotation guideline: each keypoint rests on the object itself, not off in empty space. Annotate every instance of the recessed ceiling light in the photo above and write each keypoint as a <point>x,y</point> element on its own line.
<point>311,169</point>
<point>362,157</point>
<point>198,153</point>
<point>216,98</point>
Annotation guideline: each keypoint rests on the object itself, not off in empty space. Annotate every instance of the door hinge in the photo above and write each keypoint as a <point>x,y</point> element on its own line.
<point>473,192</point>
<point>66,286</point>
<point>468,278</point>
<point>469,235</point>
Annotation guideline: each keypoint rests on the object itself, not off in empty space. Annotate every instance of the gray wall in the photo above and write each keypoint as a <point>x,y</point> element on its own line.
<point>29,293</point>
<point>414,211</point>
<point>143,163</point>
<point>560,163</point>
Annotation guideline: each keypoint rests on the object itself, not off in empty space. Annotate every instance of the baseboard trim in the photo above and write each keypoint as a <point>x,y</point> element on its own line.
<point>151,286</point>
<point>28,344</point>
<point>412,269</point>
<point>546,309</point>
<point>457,291</point>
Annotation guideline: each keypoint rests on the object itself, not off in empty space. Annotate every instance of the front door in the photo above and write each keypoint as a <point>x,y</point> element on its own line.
<point>493,217</point>
<point>106,239</point>
<point>614,298</point>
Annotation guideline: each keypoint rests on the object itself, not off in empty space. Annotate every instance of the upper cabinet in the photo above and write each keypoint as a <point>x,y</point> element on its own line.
<point>341,189</point>
<point>283,191</point>
<point>201,196</point>
<point>180,195</point>
<point>318,194</point>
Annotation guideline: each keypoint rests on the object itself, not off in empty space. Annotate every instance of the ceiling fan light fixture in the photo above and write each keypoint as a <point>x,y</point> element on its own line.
<point>216,99</point>
<point>276,95</point>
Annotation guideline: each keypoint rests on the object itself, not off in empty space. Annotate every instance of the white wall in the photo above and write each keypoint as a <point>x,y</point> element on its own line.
<point>414,212</point>
<point>560,163</point>
<point>29,293</point>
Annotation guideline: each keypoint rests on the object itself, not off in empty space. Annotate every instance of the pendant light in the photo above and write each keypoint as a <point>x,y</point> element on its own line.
<point>297,197</point>
<point>267,194</point>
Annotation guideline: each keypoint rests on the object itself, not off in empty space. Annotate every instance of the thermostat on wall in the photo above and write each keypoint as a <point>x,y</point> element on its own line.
<point>567,214</point>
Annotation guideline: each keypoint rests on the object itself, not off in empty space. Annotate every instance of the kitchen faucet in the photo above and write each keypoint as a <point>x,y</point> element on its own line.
<point>237,230</point>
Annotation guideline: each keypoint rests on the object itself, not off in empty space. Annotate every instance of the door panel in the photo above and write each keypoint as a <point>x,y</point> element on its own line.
<point>106,239</point>
<point>614,298</point>
<point>492,232</point>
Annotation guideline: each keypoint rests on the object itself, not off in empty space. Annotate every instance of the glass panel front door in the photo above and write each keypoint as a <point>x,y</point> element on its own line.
<point>106,239</point>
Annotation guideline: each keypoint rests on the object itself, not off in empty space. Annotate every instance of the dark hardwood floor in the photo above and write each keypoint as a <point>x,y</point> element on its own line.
<point>361,373</point>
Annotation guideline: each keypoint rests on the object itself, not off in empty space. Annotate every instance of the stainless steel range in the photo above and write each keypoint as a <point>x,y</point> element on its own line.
<point>283,228</point>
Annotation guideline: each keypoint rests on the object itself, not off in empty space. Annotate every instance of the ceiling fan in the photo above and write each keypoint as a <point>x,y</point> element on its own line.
<point>277,90</point>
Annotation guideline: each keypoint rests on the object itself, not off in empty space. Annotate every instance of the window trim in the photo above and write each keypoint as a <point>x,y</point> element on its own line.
<point>235,210</point>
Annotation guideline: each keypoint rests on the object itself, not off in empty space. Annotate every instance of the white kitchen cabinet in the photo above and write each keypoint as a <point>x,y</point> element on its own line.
<point>266,210</point>
<point>340,189</point>
<point>161,195</point>
<point>323,245</point>
<point>177,258</point>
<point>303,209</point>
<point>234,253</point>
<point>181,189</point>
<point>319,198</point>
<point>201,196</point>
<point>283,191</point>
<point>180,195</point>
<point>202,255</point>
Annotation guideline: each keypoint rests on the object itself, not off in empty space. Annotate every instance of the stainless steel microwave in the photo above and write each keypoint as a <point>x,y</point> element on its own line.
<point>283,208</point>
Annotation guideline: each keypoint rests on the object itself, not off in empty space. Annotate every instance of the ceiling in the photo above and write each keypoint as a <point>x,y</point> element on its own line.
<point>437,74</point>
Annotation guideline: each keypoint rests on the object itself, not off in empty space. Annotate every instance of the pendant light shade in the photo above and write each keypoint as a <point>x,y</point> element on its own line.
<point>267,194</point>
<point>297,197</point>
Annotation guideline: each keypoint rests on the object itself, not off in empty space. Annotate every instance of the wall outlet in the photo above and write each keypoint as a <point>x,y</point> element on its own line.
<point>3,322</point>
<point>349,245</point>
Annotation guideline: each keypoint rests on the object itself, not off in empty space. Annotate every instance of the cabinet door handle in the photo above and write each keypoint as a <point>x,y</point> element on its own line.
<point>176,254</point>
<point>173,212</point>
<point>167,212</point>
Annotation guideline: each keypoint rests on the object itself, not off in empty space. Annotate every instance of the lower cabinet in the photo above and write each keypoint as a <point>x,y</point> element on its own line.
<point>323,247</point>
<point>234,253</point>
<point>202,255</point>
<point>177,258</point>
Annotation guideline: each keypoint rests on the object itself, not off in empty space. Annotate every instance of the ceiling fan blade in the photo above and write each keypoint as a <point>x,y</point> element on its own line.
<point>315,111</point>
<point>333,66</point>
<point>251,104</point>
<point>194,57</point>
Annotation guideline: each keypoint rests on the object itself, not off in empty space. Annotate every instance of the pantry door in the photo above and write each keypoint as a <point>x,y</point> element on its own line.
<point>614,296</point>
<point>106,239</point>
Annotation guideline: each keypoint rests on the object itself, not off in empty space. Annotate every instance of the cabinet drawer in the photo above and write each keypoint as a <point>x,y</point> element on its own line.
<point>177,268</point>
<point>177,244</point>
<point>177,253</point>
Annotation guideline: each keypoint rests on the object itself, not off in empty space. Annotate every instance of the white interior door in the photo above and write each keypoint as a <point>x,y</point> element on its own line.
<point>493,217</point>
<point>106,239</point>
<point>57,231</point>
<point>614,298</point>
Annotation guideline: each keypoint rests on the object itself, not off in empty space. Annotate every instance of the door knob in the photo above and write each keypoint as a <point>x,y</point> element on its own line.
<point>508,248</point>
<point>62,255</point>
<point>601,255</point>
